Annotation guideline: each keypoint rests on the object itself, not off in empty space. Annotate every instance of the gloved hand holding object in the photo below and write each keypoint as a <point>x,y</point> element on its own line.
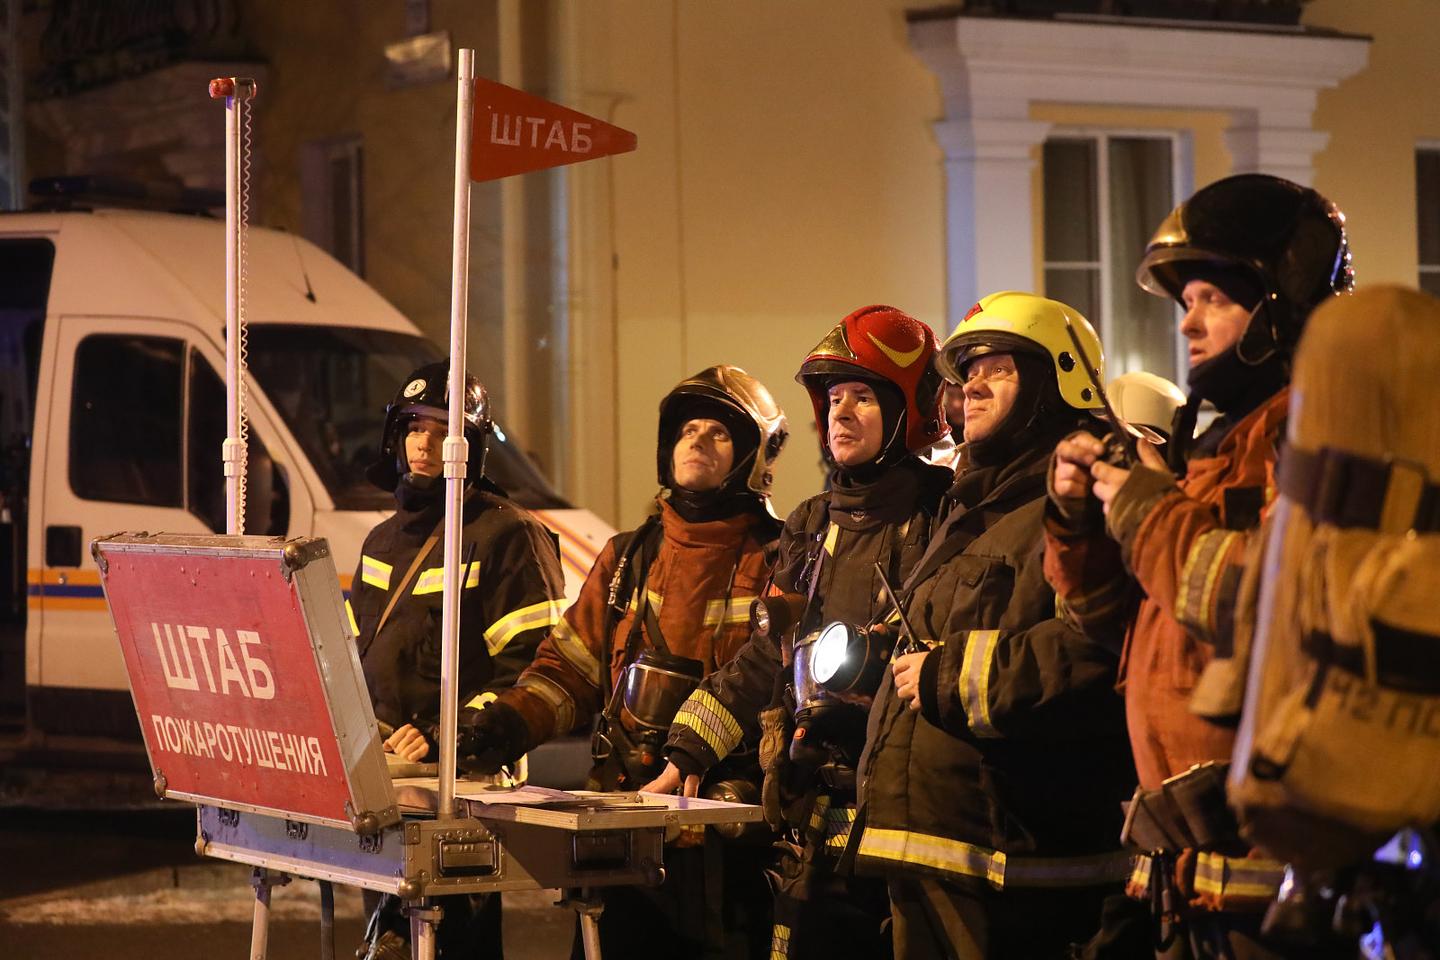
<point>488,738</point>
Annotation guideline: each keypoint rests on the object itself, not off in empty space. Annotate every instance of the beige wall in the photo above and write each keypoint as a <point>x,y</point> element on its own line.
<point>1374,120</point>
<point>786,175</point>
<point>327,79</point>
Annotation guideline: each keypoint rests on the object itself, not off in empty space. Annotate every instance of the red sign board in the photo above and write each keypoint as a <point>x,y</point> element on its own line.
<point>226,684</point>
<point>514,132</point>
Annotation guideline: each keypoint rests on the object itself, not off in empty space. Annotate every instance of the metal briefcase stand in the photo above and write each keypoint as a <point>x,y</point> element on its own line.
<point>253,706</point>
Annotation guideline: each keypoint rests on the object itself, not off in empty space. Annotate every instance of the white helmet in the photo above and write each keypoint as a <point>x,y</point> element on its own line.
<point>1147,403</point>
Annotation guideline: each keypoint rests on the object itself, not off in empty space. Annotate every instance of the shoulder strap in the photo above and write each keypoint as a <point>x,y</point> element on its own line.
<point>424,552</point>
<point>630,547</point>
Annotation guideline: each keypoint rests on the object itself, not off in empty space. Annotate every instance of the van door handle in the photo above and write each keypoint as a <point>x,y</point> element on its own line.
<point>62,546</point>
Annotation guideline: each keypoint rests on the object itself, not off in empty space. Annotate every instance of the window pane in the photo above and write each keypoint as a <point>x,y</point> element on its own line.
<point>1080,288</point>
<point>1140,333</point>
<point>1427,203</point>
<point>331,385</point>
<point>1071,218</point>
<point>125,420</point>
<point>267,508</point>
<point>1430,282</point>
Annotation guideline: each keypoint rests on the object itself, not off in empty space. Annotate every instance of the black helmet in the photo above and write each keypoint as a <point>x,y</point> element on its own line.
<point>426,393</point>
<point>730,395</point>
<point>1288,239</point>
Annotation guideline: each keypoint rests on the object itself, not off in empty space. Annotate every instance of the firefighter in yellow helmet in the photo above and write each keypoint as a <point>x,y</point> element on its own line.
<point>996,761</point>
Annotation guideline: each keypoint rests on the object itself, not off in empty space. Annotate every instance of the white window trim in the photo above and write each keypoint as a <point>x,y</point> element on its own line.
<point>1182,179</point>
<point>992,69</point>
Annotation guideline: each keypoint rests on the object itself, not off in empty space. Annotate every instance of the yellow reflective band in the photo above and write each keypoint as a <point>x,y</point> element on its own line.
<point>350,615</point>
<point>432,579</point>
<point>542,615</point>
<point>572,650</point>
<point>832,535</point>
<point>1251,878</point>
<point>656,600</point>
<point>714,724</point>
<point>838,823</point>
<point>780,942</point>
<point>974,683</point>
<point>483,699</point>
<point>374,573</point>
<point>965,859</point>
<point>818,811</point>
<point>1195,600</point>
<point>736,611</point>
<point>1140,876</point>
<point>556,697</point>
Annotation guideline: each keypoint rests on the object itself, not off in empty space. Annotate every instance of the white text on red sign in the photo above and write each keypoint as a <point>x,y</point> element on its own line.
<point>516,131</point>
<point>246,745</point>
<point>223,673</point>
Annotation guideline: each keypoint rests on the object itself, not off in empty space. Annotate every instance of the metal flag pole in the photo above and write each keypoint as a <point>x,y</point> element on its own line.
<point>456,451</point>
<point>237,93</point>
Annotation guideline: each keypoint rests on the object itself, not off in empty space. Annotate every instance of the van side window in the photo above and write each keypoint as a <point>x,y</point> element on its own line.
<point>125,437</point>
<point>267,502</point>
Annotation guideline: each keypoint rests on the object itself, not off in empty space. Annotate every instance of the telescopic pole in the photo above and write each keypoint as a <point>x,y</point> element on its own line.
<point>456,451</point>
<point>237,93</point>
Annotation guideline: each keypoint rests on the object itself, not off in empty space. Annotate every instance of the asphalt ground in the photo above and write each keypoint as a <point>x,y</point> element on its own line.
<point>127,885</point>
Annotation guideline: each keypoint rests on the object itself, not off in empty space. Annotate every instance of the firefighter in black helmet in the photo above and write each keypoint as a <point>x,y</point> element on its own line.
<point>1151,556</point>
<point>512,591</point>
<point>664,605</point>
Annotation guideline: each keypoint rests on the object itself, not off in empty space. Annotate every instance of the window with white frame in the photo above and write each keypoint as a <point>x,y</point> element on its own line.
<point>1105,192</point>
<point>1427,215</point>
<point>332,192</point>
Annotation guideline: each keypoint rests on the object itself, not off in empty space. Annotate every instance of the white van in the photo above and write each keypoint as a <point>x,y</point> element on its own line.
<point>112,412</point>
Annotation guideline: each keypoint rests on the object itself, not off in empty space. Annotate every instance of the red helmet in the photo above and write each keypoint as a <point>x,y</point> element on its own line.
<point>880,342</point>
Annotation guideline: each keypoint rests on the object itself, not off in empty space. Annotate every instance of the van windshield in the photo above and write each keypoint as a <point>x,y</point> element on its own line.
<point>331,385</point>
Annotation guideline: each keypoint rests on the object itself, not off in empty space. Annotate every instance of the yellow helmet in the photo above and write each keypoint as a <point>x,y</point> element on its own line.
<point>1011,321</point>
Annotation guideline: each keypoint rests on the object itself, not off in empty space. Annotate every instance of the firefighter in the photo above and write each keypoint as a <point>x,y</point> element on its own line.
<point>995,822</point>
<point>876,399</point>
<point>1151,554</point>
<point>662,607</point>
<point>511,594</point>
<point>1338,741</point>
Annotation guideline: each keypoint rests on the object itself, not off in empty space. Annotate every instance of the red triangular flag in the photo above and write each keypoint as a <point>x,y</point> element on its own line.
<point>514,131</point>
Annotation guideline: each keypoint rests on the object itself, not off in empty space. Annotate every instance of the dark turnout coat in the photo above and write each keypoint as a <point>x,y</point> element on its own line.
<point>1015,773</point>
<point>512,595</point>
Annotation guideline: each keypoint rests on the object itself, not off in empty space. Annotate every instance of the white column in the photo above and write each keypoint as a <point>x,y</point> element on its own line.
<point>989,216</point>
<point>1258,144</point>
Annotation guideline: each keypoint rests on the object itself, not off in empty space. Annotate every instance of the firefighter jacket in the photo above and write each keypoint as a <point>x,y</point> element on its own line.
<point>512,594</point>
<point>842,532</point>
<point>700,583</point>
<point>1165,582</point>
<point>1015,773</point>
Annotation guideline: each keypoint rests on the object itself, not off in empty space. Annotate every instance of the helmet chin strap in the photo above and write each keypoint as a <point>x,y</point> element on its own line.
<point>1264,334</point>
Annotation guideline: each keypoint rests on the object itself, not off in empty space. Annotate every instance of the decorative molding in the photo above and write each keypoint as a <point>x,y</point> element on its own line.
<point>991,70</point>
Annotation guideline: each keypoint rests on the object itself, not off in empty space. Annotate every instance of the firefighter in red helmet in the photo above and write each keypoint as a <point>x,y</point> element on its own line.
<point>876,397</point>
